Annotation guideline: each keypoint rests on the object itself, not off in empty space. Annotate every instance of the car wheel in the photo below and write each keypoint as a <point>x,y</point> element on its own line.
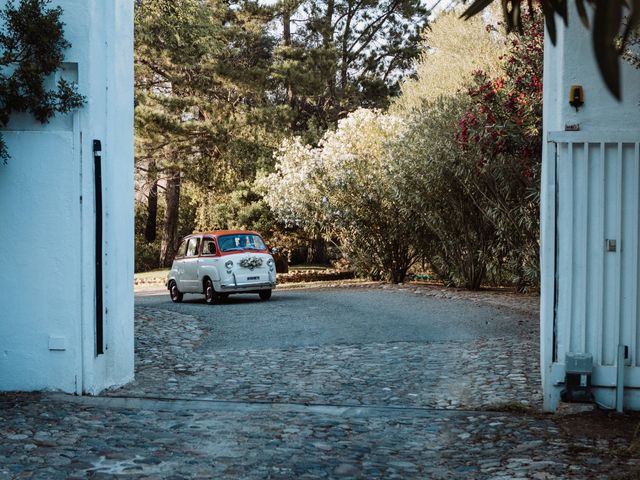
<point>176,295</point>
<point>265,294</point>
<point>210,295</point>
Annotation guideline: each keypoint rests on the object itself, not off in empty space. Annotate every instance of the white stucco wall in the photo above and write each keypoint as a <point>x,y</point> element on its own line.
<point>47,219</point>
<point>571,62</point>
<point>590,187</point>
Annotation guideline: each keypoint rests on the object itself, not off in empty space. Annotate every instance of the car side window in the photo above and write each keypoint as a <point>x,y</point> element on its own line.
<point>192,248</point>
<point>182,250</point>
<point>208,246</point>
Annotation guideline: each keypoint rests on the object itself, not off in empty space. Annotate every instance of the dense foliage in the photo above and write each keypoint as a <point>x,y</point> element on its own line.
<point>299,120</point>
<point>502,129</point>
<point>204,122</point>
<point>219,85</point>
<point>32,44</point>
<point>343,189</point>
<point>453,180</point>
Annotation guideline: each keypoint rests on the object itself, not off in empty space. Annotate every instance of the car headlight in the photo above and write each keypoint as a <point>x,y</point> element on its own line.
<point>229,264</point>
<point>270,262</point>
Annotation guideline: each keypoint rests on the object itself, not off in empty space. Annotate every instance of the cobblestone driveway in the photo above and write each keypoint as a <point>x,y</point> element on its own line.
<point>174,362</point>
<point>406,409</point>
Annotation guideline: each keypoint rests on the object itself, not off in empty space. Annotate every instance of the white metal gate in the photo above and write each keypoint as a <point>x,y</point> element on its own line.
<point>590,269</point>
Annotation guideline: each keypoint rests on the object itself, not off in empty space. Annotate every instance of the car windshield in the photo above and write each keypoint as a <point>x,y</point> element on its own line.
<point>240,241</point>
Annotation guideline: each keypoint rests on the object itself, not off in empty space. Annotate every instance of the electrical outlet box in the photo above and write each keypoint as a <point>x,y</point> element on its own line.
<point>579,363</point>
<point>578,370</point>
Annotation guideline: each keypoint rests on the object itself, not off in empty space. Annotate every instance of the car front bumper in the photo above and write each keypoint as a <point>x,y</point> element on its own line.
<point>243,287</point>
<point>231,284</point>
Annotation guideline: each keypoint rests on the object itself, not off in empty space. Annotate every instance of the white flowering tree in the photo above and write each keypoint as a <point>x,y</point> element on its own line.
<point>345,189</point>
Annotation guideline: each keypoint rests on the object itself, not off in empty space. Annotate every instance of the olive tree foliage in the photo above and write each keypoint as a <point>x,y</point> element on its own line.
<point>451,51</point>
<point>470,169</point>
<point>344,188</point>
<point>433,190</point>
<point>449,177</point>
<point>32,46</point>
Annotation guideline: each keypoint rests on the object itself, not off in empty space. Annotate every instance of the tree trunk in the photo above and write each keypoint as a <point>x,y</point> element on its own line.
<point>286,38</point>
<point>344,63</point>
<point>152,205</point>
<point>327,42</point>
<point>170,231</point>
<point>317,252</point>
<point>327,28</point>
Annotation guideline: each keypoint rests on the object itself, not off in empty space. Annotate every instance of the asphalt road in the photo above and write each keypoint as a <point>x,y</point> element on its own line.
<point>343,316</point>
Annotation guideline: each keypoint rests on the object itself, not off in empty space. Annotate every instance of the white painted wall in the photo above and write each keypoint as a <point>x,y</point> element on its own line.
<point>590,187</point>
<point>47,219</point>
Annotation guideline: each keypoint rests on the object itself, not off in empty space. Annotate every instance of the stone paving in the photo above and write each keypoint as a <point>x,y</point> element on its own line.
<point>448,375</point>
<point>49,439</point>
<point>397,410</point>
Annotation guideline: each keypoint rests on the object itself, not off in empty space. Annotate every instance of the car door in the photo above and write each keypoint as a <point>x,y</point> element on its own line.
<point>208,261</point>
<point>178,265</point>
<point>190,266</point>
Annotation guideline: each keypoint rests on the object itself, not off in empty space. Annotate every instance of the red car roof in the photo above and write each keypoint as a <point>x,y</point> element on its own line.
<point>219,233</point>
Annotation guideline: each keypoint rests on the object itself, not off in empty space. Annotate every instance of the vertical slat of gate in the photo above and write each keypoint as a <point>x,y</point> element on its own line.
<point>548,267</point>
<point>619,294</point>
<point>631,228</point>
<point>579,252</point>
<point>600,312</point>
<point>568,225</point>
<point>562,313</point>
<point>627,243</point>
<point>585,245</point>
<point>595,252</point>
<point>611,296</point>
<point>636,273</point>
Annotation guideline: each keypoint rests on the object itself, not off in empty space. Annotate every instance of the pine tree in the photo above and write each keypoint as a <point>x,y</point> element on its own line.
<point>201,83</point>
<point>345,54</point>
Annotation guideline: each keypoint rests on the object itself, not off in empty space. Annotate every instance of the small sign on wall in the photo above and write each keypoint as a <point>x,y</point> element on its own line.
<point>57,343</point>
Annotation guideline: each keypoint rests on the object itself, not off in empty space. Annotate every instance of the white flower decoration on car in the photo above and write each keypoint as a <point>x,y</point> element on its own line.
<point>250,262</point>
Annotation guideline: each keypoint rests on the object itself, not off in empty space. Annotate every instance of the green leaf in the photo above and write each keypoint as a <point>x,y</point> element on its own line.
<point>475,8</point>
<point>606,25</point>
<point>582,12</point>
<point>549,19</point>
<point>633,21</point>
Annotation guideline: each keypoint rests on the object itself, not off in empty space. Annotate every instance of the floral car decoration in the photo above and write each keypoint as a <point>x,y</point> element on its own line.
<point>251,262</point>
<point>221,263</point>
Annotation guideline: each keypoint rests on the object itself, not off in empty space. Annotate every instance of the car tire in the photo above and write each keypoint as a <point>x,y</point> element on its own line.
<point>210,294</point>
<point>264,294</point>
<point>175,294</point>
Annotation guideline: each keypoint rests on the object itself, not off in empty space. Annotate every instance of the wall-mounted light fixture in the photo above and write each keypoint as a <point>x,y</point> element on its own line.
<point>576,96</point>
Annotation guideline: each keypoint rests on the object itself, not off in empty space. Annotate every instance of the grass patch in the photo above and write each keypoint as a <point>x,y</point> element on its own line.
<point>296,268</point>
<point>153,274</point>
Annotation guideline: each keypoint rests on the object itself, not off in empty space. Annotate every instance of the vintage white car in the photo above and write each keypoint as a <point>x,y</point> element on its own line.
<point>219,263</point>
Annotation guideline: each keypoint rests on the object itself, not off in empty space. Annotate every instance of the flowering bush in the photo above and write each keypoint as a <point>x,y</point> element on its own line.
<point>452,179</point>
<point>502,131</point>
<point>345,189</point>
<point>469,171</point>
